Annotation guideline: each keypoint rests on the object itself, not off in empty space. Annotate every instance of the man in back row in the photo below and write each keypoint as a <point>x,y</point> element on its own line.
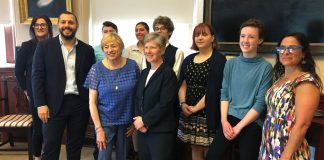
<point>172,56</point>
<point>107,27</point>
<point>60,67</point>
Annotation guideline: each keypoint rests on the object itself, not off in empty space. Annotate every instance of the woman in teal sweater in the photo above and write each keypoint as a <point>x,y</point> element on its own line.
<point>245,82</point>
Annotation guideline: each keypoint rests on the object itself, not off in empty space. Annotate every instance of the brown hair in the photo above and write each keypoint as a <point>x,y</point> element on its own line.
<point>202,28</point>
<point>166,22</point>
<point>253,23</point>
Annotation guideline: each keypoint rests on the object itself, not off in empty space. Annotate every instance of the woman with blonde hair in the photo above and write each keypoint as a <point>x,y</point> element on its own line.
<point>112,84</point>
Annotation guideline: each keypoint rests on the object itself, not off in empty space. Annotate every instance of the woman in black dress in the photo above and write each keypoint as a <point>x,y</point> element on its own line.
<point>201,78</point>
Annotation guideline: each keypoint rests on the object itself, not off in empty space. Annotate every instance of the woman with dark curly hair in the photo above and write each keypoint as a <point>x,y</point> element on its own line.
<point>40,29</point>
<point>291,101</point>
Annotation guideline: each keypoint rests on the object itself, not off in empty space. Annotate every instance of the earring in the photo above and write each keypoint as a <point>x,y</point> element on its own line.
<point>303,61</point>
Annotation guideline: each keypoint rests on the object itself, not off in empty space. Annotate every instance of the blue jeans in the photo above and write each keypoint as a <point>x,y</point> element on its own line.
<point>115,136</point>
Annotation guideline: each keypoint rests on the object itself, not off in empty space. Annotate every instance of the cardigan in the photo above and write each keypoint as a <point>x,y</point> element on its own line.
<point>23,66</point>
<point>214,83</point>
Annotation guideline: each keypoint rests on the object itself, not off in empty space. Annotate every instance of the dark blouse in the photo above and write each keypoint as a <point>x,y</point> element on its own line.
<point>23,66</point>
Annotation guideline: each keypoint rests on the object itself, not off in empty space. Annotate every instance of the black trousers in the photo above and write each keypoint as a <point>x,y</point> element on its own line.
<point>248,141</point>
<point>37,133</point>
<point>74,115</point>
<point>156,146</point>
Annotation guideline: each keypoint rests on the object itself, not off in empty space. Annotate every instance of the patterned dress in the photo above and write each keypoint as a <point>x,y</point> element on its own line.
<point>280,119</point>
<point>193,129</point>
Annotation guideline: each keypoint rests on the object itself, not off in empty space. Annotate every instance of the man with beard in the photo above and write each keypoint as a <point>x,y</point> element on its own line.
<point>59,70</point>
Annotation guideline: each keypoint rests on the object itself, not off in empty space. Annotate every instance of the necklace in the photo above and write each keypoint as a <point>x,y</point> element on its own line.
<point>116,87</point>
<point>115,78</point>
<point>117,69</point>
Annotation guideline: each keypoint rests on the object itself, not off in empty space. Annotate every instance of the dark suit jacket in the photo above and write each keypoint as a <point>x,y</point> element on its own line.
<point>49,76</point>
<point>155,101</point>
<point>23,66</point>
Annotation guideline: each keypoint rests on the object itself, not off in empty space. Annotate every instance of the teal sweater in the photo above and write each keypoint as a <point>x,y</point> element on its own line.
<point>245,82</point>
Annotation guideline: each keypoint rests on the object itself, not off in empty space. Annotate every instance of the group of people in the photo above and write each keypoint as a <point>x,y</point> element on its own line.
<point>150,96</point>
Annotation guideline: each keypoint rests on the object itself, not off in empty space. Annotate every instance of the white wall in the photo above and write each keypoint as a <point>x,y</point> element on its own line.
<point>5,12</point>
<point>185,14</point>
<point>126,13</point>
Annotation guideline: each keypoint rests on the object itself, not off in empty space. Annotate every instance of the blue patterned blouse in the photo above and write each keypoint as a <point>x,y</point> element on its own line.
<point>116,90</point>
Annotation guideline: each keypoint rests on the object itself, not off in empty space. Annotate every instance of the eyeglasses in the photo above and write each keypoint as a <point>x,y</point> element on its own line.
<point>290,49</point>
<point>162,28</point>
<point>42,25</point>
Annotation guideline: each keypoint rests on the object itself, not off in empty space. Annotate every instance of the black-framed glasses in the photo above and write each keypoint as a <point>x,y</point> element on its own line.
<point>42,25</point>
<point>290,49</point>
<point>162,28</point>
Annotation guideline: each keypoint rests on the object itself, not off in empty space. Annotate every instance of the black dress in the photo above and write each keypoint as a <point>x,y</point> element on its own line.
<point>193,129</point>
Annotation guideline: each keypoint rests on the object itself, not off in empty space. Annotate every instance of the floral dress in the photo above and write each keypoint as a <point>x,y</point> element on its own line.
<point>193,129</point>
<point>280,119</point>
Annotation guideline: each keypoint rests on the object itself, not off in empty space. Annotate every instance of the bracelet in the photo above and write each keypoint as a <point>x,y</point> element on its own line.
<point>97,128</point>
<point>181,103</point>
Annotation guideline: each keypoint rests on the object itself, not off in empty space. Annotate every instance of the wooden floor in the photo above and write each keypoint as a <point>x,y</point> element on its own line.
<point>23,155</point>
<point>85,155</point>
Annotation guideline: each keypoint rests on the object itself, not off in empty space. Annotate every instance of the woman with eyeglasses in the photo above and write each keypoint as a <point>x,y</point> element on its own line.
<point>40,29</point>
<point>291,101</point>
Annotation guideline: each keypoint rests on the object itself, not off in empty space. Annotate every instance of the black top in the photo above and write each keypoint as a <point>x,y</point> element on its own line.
<point>23,66</point>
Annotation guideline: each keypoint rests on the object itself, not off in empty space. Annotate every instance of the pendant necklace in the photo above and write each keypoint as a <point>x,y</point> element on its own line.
<point>116,84</point>
<point>115,81</point>
<point>116,88</point>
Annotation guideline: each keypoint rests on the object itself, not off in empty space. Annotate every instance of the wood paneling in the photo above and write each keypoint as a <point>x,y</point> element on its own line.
<point>321,104</point>
<point>18,102</point>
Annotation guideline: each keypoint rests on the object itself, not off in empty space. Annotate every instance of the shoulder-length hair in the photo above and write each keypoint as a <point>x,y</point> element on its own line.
<point>200,29</point>
<point>33,22</point>
<point>308,64</point>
